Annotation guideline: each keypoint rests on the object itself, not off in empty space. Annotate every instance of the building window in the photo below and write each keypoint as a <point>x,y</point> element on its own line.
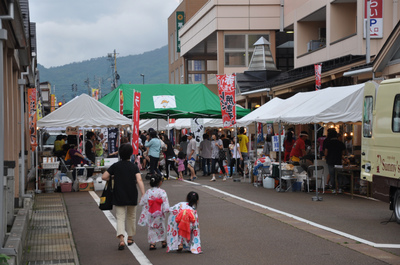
<point>182,78</point>
<point>239,48</point>
<point>176,76</point>
<point>396,114</point>
<point>367,117</point>
<point>172,81</point>
<point>172,48</point>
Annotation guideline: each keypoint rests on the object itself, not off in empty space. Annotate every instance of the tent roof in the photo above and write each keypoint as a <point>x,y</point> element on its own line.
<point>146,124</point>
<point>192,101</point>
<point>83,111</point>
<point>333,104</point>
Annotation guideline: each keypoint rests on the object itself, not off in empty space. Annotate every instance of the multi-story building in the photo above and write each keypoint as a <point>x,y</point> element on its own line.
<point>17,74</point>
<point>218,36</point>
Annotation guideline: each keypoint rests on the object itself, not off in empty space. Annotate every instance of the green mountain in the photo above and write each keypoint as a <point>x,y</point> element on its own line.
<point>98,72</point>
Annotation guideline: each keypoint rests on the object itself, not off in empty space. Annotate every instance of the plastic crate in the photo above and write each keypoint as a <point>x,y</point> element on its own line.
<point>66,187</point>
<point>51,165</point>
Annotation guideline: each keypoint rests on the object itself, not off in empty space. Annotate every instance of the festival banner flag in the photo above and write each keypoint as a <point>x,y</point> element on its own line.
<point>32,117</point>
<point>121,102</point>
<point>95,93</point>
<point>260,132</point>
<point>52,102</point>
<point>112,140</point>
<point>135,122</point>
<point>317,68</point>
<point>226,92</point>
<point>39,110</point>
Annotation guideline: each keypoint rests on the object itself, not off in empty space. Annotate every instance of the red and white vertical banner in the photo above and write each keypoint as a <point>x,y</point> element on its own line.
<point>226,93</point>
<point>121,102</point>
<point>135,122</point>
<point>121,111</point>
<point>32,117</point>
<point>317,68</point>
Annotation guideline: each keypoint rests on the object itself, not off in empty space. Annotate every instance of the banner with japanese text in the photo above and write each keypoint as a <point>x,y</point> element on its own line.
<point>121,102</point>
<point>52,102</point>
<point>32,117</point>
<point>226,93</point>
<point>112,140</point>
<point>317,68</point>
<point>180,21</point>
<point>135,122</point>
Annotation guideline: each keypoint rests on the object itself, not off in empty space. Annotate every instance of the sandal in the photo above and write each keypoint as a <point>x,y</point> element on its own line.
<point>180,247</point>
<point>152,247</point>
<point>121,246</point>
<point>164,244</point>
<point>130,242</point>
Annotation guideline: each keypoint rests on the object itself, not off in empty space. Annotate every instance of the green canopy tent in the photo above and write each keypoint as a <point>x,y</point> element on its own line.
<point>190,101</point>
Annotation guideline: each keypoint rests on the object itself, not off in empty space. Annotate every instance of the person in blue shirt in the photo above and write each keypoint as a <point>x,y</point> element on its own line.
<point>154,145</point>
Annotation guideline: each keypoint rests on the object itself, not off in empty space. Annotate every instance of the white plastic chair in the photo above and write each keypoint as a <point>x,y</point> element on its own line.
<point>320,176</point>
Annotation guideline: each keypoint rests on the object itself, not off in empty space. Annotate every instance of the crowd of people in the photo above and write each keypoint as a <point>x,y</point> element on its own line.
<point>331,148</point>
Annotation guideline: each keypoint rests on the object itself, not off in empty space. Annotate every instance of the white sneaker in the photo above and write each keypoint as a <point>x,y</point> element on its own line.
<point>224,179</point>
<point>213,179</point>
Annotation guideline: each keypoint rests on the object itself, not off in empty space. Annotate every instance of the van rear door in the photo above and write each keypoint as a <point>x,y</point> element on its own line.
<point>367,130</point>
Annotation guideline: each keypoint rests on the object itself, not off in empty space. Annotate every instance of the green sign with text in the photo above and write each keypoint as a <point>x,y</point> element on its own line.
<point>180,21</point>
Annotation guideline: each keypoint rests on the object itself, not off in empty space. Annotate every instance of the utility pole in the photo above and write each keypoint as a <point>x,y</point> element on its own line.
<point>87,83</point>
<point>112,57</point>
<point>74,89</point>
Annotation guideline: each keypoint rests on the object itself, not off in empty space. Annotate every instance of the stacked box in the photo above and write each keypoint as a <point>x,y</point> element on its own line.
<point>66,187</point>
<point>86,186</point>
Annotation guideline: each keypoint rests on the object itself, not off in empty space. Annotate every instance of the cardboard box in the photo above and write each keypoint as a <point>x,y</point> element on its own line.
<point>66,187</point>
<point>86,186</point>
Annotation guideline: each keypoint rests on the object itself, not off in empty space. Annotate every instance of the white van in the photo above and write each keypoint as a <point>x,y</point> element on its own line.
<point>380,148</point>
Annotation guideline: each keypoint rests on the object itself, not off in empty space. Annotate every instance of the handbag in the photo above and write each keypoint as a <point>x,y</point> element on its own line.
<point>221,154</point>
<point>106,199</point>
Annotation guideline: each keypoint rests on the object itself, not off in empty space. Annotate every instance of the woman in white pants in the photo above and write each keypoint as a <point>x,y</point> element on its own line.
<point>125,194</point>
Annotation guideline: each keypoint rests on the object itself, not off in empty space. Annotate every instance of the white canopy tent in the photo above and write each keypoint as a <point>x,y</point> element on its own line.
<point>84,112</point>
<point>157,124</point>
<point>329,105</point>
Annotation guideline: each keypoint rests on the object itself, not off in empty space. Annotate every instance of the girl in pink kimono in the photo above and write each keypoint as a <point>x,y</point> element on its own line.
<point>183,231</point>
<point>155,206</point>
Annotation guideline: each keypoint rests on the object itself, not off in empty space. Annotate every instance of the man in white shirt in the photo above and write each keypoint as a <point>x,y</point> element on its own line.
<point>191,155</point>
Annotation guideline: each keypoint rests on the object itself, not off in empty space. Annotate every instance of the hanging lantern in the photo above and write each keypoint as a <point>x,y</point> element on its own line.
<point>184,131</point>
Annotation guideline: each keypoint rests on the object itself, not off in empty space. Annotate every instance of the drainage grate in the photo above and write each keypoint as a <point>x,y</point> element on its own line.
<point>47,227</point>
<point>58,261</point>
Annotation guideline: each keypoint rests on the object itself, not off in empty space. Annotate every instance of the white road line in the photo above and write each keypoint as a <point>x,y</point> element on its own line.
<point>358,239</point>
<point>137,253</point>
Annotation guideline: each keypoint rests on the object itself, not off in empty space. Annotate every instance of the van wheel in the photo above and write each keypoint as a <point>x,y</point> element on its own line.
<point>396,208</point>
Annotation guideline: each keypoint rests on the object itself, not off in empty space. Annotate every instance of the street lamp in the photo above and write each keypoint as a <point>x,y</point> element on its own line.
<point>142,75</point>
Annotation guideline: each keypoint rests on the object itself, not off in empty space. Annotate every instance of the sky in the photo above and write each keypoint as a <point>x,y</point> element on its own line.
<point>77,30</point>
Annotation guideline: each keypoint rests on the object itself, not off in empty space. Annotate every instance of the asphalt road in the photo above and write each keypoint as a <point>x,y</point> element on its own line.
<point>249,229</point>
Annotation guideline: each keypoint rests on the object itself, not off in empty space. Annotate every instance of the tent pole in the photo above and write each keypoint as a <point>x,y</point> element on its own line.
<point>316,197</point>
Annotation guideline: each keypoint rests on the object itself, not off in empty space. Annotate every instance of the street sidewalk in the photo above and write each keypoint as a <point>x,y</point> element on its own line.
<point>49,239</point>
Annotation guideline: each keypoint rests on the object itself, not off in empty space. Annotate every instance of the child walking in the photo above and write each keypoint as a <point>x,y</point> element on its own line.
<point>155,206</point>
<point>183,226</point>
<point>181,164</point>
